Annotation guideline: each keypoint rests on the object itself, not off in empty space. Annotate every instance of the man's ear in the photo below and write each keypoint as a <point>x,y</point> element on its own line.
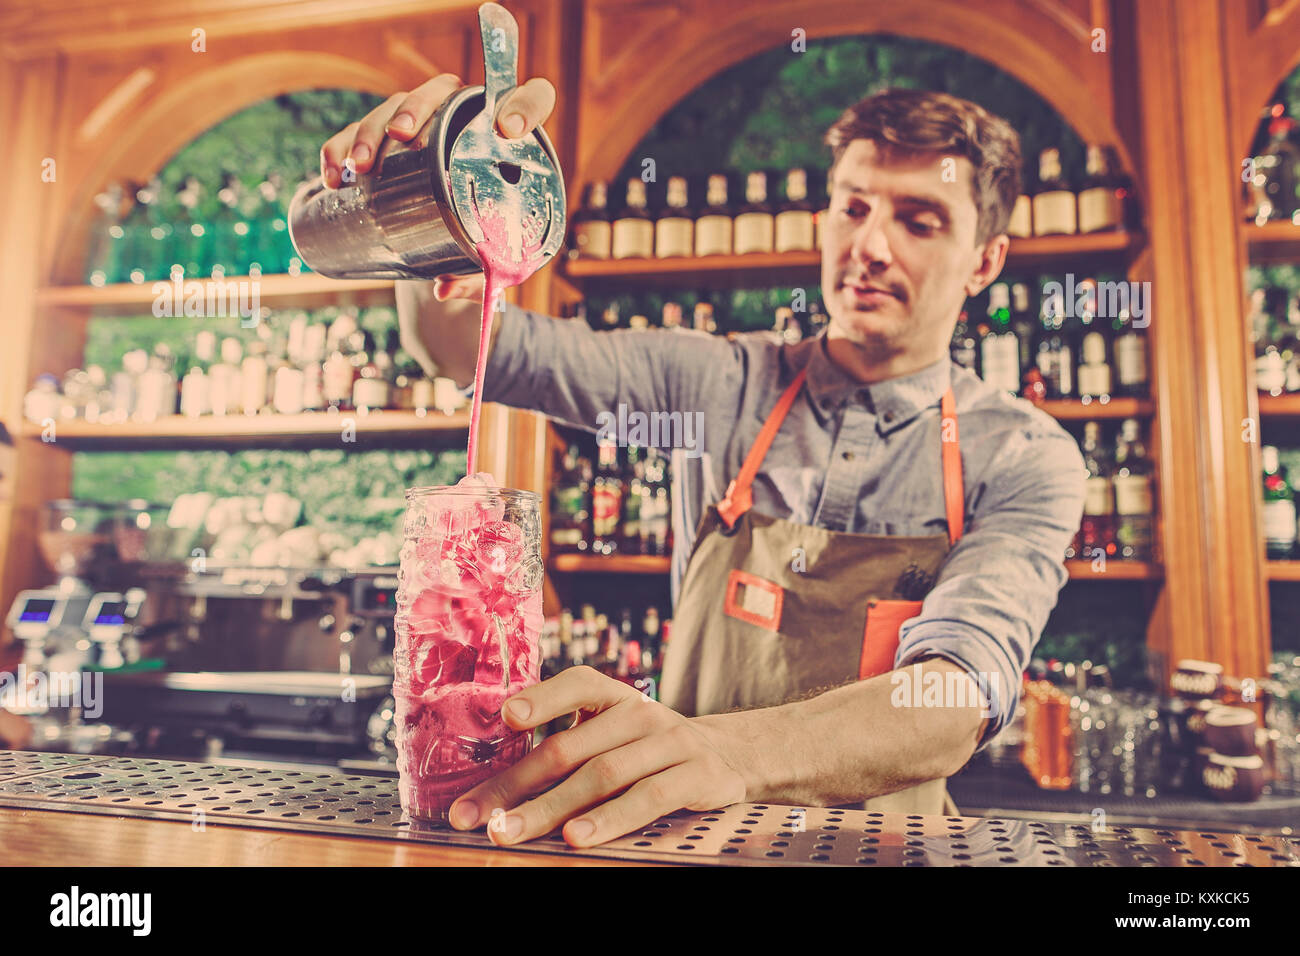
<point>992,255</point>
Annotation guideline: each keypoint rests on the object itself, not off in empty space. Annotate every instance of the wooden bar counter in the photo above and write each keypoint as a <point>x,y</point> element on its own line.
<point>140,811</point>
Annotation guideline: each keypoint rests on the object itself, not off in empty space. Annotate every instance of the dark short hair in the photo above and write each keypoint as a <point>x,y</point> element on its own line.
<point>922,121</point>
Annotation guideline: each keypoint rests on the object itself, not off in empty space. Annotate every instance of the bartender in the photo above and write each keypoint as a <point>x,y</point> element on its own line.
<point>861,519</point>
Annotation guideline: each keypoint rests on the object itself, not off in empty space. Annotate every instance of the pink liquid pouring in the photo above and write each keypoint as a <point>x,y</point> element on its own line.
<point>469,608</point>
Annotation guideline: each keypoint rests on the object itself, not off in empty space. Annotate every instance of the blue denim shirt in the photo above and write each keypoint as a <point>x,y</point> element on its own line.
<point>849,457</point>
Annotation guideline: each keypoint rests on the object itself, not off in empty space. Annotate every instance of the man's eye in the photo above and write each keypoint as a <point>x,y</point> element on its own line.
<point>854,212</point>
<point>923,227</point>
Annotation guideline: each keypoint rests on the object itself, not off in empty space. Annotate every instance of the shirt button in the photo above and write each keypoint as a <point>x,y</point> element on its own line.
<point>847,456</point>
<point>889,417</point>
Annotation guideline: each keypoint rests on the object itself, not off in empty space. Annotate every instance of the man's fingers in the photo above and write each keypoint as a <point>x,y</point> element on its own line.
<point>575,688</point>
<point>333,153</point>
<point>649,799</point>
<point>421,103</point>
<point>370,133</point>
<point>527,107</point>
<point>608,773</point>
<point>556,757</point>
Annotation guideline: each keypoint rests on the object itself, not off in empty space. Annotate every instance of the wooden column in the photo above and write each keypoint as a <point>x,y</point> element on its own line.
<point>1213,556</point>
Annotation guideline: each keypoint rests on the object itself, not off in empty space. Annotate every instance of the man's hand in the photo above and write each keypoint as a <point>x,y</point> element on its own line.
<point>353,149</point>
<point>627,761</point>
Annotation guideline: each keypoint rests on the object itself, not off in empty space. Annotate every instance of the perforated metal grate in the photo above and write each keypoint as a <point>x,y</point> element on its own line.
<point>332,801</point>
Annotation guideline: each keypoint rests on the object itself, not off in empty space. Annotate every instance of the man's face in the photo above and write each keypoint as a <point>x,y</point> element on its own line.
<point>899,255</point>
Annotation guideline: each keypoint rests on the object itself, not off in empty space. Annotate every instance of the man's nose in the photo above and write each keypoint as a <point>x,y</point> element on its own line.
<point>870,244</point>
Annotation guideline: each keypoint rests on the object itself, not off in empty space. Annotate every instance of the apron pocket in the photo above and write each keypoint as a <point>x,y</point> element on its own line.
<point>880,639</point>
<point>751,598</point>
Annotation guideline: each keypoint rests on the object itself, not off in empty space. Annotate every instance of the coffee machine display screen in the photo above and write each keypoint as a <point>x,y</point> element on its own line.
<point>37,611</point>
<point>111,612</point>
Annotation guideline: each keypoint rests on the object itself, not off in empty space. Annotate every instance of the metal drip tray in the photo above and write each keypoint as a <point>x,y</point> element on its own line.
<point>334,802</point>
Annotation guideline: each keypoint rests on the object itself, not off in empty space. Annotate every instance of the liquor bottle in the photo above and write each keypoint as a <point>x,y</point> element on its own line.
<point>1129,345</point>
<point>794,229</point>
<point>606,500</point>
<point>633,497</point>
<point>754,223</point>
<point>224,379</point>
<point>386,358</point>
<point>963,348</point>
<point>653,639</point>
<point>313,366</point>
<point>196,397</point>
<point>253,370</point>
<point>1024,324</point>
<point>1270,369</point>
<point>192,246</point>
<point>591,635</point>
<point>630,671</point>
<point>1020,225</point>
<point>1279,508</point>
<point>1093,373</point>
<point>671,317</point>
<point>1097,533</point>
<point>713,226</point>
<point>674,226</point>
<point>1276,183</point>
<point>1134,509</point>
<point>592,233</point>
<point>370,387</point>
<point>656,509</point>
<point>228,230</point>
<point>998,345</point>
<point>269,231</point>
<point>1101,200</point>
<point>571,504</point>
<point>156,391</point>
<point>702,317</point>
<point>634,232</point>
<point>287,377</point>
<point>1288,344</point>
<point>819,220</point>
<point>785,326</point>
<point>1054,355</point>
<point>338,372</point>
<point>1053,202</point>
<point>104,259</point>
<point>147,231</point>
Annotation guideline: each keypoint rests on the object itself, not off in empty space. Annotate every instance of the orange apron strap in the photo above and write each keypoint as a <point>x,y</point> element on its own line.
<point>954,489</point>
<point>739,497</point>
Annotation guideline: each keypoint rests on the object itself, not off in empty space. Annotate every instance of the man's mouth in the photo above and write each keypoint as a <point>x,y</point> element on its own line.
<point>870,291</point>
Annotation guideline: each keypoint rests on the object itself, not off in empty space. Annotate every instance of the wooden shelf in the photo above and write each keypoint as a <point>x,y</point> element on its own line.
<point>646,564</point>
<point>1284,570</point>
<point>1280,406</point>
<point>178,431</point>
<point>611,563</point>
<point>278,290</point>
<point>1115,571</point>
<point>1074,410</point>
<point>770,268</point>
<point>1272,242</point>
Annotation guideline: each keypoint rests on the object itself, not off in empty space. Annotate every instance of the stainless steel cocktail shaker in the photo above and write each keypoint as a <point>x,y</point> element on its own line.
<point>414,215</point>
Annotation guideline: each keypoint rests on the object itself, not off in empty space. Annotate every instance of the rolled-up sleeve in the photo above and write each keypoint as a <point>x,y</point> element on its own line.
<point>572,373</point>
<point>1000,582</point>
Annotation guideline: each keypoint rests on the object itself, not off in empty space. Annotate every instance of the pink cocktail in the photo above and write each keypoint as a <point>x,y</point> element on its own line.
<point>469,612</point>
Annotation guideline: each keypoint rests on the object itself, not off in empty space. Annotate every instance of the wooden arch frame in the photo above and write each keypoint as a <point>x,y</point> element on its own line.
<point>628,88</point>
<point>147,138</point>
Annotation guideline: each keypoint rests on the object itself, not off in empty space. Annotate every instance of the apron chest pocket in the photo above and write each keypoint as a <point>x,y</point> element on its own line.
<point>880,638</point>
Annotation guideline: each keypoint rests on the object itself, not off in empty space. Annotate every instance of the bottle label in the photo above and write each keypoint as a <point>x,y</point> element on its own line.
<point>604,510</point>
<point>673,237</point>
<point>288,391</point>
<point>1133,495</point>
<point>633,239</point>
<point>1100,208</point>
<point>1097,497</point>
<point>1054,213</point>
<point>1131,359</point>
<point>1135,535</point>
<point>370,393</point>
<point>713,236</point>
<point>1094,380</point>
<point>754,232</point>
<point>594,238</point>
<point>1020,226</point>
<point>1280,522</point>
<point>1001,362</point>
<point>794,231</point>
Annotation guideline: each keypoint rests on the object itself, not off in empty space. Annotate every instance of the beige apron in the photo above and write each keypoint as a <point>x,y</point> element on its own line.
<point>772,610</point>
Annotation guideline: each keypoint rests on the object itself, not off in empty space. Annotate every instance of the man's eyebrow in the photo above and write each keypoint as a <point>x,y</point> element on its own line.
<point>914,200</point>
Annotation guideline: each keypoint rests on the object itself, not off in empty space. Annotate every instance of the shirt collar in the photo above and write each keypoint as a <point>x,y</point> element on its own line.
<point>895,401</point>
